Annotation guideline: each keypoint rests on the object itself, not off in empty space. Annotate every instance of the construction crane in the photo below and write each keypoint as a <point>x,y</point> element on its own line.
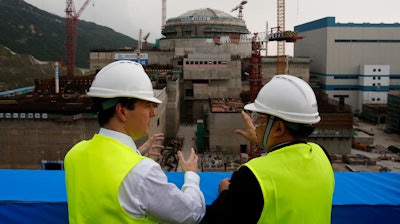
<point>72,24</point>
<point>282,36</point>
<point>145,39</point>
<point>240,8</point>
<point>139,45</point>
<point>163,13</point>
<point>255,78</point>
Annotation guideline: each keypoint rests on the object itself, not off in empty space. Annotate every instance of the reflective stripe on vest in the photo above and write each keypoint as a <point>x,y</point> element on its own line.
<point>297,183</point>
<point>94,171</point>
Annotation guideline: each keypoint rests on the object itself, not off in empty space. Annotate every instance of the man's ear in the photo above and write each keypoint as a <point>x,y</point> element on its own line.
<point>120,112</point>
<point>280,128</point>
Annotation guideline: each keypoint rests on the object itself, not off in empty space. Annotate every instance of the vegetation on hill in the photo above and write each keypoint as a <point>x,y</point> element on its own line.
<point>20,70</point>
<point>26,29</point>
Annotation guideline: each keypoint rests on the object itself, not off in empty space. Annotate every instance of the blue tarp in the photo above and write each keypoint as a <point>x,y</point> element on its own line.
<point>38,196</point>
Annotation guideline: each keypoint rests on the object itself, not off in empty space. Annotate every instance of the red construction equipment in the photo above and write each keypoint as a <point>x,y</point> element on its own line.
<point>255,76</point>
<point>72,24</point>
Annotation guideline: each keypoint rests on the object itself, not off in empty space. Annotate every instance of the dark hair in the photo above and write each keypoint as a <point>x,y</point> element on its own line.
<point>299,131</point>
<point>105,108</point>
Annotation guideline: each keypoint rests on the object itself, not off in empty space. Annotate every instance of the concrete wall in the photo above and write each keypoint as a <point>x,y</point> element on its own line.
<point>24,143</point>
<point>203,45</point>
<point>299,67</point>
<point>334,145</point>
<point>221,127</point>
<point>172,108</point>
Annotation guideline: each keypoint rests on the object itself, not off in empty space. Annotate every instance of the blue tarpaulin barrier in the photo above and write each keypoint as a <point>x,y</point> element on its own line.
<point>38,196</point>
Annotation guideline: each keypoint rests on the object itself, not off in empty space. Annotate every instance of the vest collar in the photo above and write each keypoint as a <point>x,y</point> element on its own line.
<point>284,144</point>
<point>123,138</point>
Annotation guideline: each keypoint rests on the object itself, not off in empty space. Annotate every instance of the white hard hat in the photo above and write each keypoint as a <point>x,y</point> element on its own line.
<point>289,98</point>
<point>123,79</point>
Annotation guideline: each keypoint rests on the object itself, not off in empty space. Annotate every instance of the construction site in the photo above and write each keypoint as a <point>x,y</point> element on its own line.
<point>206,68</point>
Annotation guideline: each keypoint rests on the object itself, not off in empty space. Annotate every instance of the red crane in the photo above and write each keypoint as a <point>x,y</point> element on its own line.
<point>72,24</point>
<point>255,76</point>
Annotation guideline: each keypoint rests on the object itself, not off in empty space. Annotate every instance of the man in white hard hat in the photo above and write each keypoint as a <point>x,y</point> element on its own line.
<point>107,178</point>
<point>294,181</point>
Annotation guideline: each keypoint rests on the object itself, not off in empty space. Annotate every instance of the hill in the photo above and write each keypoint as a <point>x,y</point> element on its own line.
<point>20,70</point>
<point>26,29</point>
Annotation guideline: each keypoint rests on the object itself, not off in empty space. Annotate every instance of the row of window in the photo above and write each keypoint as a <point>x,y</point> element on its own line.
<point>205,62</point>
<point>24,115</point>
<point>367,41</point>
<point>355,77</point>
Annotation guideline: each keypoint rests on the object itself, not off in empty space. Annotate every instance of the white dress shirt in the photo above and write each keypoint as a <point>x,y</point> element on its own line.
<point>145,190</point>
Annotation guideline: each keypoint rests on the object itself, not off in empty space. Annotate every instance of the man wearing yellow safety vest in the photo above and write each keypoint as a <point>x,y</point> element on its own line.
<point>294,181</point>
<point>108,180</point>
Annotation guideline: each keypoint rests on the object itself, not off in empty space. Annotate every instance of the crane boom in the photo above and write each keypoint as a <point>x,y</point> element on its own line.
<point>282,36</point>
<point>72,23</point>
<point>82,8</point>
<point>240,8</point>
<point>280,57</point>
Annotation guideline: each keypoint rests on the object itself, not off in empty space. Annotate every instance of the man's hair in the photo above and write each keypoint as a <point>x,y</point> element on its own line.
<point>105,108</point>
<point>299,131</point>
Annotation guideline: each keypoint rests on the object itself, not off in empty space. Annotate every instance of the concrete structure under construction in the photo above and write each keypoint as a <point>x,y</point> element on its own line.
<point>210,51</point>
<point>354,63</point>
<point>393,114</point>
<point>42,139</point>
<point>199,78</point>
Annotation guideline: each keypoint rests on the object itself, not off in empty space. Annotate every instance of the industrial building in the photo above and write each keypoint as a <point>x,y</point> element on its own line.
<point>201,70</point>
<point>354,63</point>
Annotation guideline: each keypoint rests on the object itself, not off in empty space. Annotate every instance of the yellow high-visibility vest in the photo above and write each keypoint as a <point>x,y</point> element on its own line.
<point>94,171</point>
<point>297,183</point>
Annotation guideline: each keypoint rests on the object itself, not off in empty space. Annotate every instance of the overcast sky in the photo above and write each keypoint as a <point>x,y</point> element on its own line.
<point>128,16</point>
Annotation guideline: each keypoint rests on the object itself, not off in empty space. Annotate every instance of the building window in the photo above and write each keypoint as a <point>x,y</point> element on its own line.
<point>373,99</point>
<point>379,78</point>
<point>374,70</point>
<point>373,78</point>
<point>189,92</point>
<point>379,70</point>
<point>378,99</point>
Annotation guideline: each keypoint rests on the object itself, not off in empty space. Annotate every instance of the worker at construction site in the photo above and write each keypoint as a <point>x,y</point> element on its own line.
<point>294,181</point>
<point>108,180</point>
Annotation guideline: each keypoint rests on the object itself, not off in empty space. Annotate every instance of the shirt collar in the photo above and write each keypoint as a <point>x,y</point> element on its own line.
<point>121,137</point>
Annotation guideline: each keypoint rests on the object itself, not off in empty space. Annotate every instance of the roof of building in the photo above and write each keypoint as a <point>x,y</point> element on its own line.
<point>331,22</point>
<point>207,12</point>
<point>207,21</point>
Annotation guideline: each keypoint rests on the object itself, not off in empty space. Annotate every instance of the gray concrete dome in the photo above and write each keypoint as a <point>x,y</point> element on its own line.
<point>203,23</point>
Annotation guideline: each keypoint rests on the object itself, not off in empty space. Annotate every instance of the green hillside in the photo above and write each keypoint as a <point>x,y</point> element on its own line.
<point>26,29</point>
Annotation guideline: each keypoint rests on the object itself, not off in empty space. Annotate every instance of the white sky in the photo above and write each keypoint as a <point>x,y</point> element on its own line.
<point>128,16</point>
